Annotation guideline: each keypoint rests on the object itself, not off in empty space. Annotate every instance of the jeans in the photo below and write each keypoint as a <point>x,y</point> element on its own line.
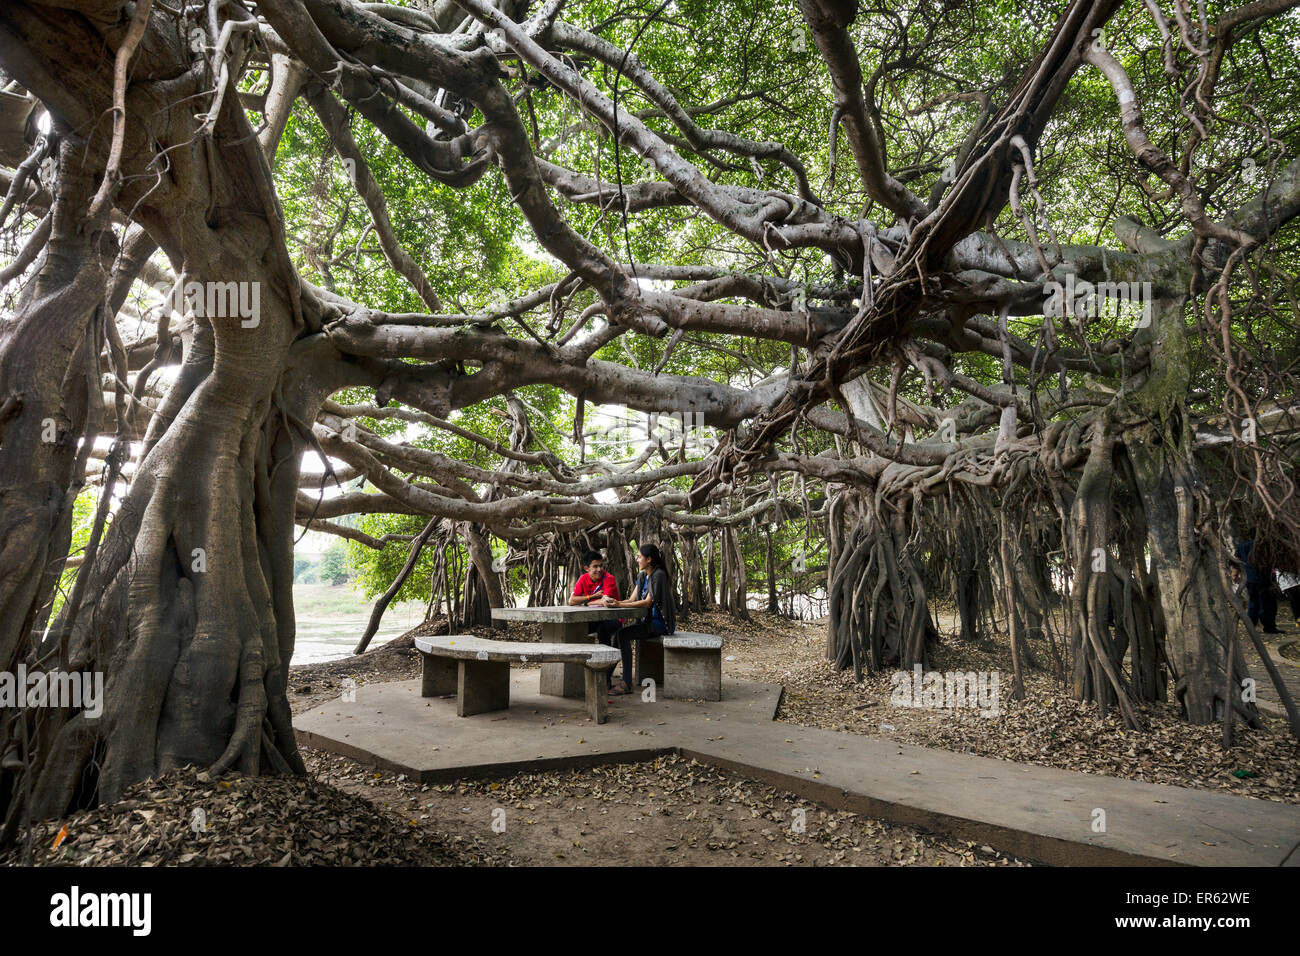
<point>634,632</point>
<point>1263,606</point>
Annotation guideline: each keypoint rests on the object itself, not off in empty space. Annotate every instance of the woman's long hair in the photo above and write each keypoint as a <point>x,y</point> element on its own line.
<point>655,557</point>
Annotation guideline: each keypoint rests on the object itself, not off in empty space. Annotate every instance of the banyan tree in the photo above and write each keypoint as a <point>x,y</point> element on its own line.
<point>998,303</point>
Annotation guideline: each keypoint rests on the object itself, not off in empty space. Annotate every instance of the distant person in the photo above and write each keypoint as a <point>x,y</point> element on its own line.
<point>1289,584</point>
<point>594,585</point>
<point>654,592</point>
<point>1259,586</point>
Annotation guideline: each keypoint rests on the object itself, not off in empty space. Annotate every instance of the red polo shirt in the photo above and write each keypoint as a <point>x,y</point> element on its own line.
<point>587,587</point>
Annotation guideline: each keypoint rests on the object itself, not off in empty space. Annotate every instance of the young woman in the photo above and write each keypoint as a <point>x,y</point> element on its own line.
<point>654,592</point>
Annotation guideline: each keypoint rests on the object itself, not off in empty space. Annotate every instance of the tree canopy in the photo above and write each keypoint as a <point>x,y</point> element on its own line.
<point>987,302</point>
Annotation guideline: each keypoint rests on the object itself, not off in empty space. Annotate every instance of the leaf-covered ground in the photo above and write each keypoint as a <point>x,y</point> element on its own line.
<point>183,818</point>
<point>668,812</point>
<point>1046,728</point>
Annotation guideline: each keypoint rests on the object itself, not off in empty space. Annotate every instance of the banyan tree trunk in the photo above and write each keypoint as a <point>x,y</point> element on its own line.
<point>46,407</point>
<point>835,526</point>
<point>1033,592</point>
<point>736,582</point>
<point>711,550</point>
<point>534,560</point>
<point>1139,617</point>
<point>1186,562</point>
<point>187,606</point>
<point>692,583</point>
<point>1187,572</point>
<point>438,578</point>
<point>1097,675</point>
<point>477,605</point>
<point>1015,626</point>
<point>879,615</point>
<point>965,564</point>
<point>482,584</point>
<point>770,569</point>
<point>194,621</point>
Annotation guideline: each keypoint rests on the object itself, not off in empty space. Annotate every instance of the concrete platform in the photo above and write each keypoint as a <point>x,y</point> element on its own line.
<point>392,727</point>
<point>1039,813</point>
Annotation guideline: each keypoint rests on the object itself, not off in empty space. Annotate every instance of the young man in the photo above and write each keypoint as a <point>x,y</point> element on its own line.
<point>594,585</point>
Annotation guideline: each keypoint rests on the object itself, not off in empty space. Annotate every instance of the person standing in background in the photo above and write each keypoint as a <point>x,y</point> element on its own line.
<point>1288,582</point>
<point>1259,586</point>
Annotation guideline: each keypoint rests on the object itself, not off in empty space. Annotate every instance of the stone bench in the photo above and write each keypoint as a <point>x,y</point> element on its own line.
<point>685,664</point>
<point>477,670</point>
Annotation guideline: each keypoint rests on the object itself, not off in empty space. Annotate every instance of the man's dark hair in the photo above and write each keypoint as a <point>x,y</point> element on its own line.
<point>591,556</point>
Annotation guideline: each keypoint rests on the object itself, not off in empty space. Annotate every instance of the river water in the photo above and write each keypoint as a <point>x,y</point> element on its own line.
<point>326,633</point>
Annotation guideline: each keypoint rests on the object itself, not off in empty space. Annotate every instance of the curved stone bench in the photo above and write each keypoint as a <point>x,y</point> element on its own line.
<point>477,670</point>
<point>685,664</point>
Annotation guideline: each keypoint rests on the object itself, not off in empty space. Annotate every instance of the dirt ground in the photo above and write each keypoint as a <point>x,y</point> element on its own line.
<point>186,818</point>
<point>1046,728</point>
<point>677,812</point>
<point>670,812</point>
<point>667,812</point>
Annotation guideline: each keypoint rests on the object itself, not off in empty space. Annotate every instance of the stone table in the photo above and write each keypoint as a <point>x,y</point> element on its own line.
<point>563,624</point>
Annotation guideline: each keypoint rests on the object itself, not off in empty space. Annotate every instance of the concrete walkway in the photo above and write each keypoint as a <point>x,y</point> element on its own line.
<point>1267,698</point>
<point>1052,816</point>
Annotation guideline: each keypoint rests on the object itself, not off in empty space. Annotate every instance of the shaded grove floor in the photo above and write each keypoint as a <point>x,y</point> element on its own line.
<point>1047,728</point>
<point>667,812</point>
<point>670,811</point>
<point>1040,813</point>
